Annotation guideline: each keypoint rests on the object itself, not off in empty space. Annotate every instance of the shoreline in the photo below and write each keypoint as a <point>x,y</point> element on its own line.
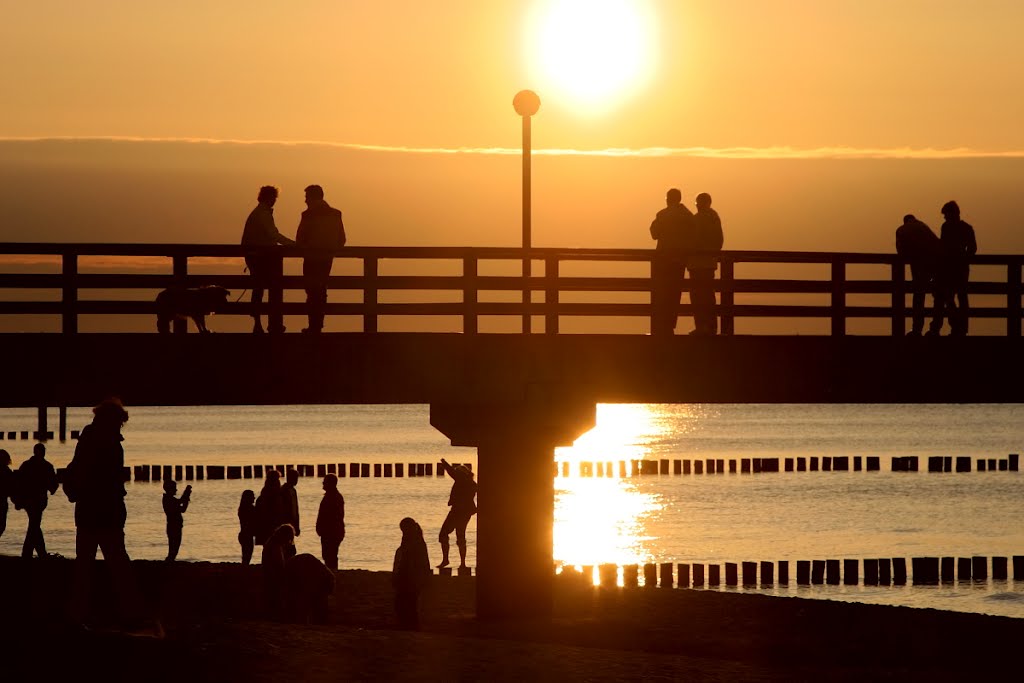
<point>214,630</point>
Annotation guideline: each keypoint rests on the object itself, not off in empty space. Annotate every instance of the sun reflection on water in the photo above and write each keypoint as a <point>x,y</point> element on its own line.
<point>606,519</point>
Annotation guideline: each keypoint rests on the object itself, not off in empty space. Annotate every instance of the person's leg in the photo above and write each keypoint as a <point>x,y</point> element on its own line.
<point>85,555</point>
<point>919,286</point>
<point>329,551</point>
<point>173,543</point>
<point>460,539</point>
<point>3,517</point>
<point>446,529</point>
<point>702,296</point>
<point>247,548</point>
<point>111,543</point>
<point>940,297</point>
<point>34,535</point>
<point>256,276</point>
<point>666,284</point>
<point>961,321</point>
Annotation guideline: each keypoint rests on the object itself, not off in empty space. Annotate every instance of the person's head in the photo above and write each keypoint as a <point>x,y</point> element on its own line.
<point>410,529</point>
<point>267,195</point>
<point>248,497</point>
<point>39,450</point>
<point>110,413</point>
<point>282,535</point>
<point>273,480</point>
<point>703,201</point>
<point>314,193</point>
<point>909,218</point>
<point>951,210</point>
<point>170,486</point>
<point>331,482</point>
<point>5,458</point>
<point>462,472</point>
<point>673,197</point>
<point>292,476</point>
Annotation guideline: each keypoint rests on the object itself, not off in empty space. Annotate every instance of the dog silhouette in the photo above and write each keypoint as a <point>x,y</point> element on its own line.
<point>195,303</point>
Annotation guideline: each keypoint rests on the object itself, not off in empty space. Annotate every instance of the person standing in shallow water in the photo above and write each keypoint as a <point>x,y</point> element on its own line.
<point>957,246</point>
<point>410,573</point>
<point>175,509</point>
<point>291,503</point>
<point>918,245</point>
<point>270,511</point>
<point>708,240</point>
<point>247,524</point>
<point>462,501</point>
<point>330,522</point>
<point>672,228</point>
<point>36,481</point>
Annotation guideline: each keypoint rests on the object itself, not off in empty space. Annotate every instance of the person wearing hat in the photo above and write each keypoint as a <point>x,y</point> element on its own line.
<point>462,501</point>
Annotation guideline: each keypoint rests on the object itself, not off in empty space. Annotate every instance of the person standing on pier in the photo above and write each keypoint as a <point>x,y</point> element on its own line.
<point>708,240</point>
<point>918,246</point>
<point>958,245</point>
<point>330,521</point>
<point>291,503</point>
<point>175,509</point>
<point>36,481</point>
<point>462,501</point>
<point>321,233</point>
<point>672,228</point>
<point>264,261</point>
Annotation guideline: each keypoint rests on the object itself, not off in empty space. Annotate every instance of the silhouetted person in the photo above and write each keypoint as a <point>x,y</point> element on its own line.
<point>308,586</point>
<point>275,552</point>
<point>6,484</point>
<point>673,229</point>
<point>264,261</point>
<point>175,509</point>
<point>291,501</point>
<point>330,521</point>
<point>94,482</point>
<point>36,481</point>
<point>957,246</point>
<point>271,511</point>
<point>247,524</point>
<point>918,246</point>
<point>320,230</point>
<point>462,500</point>
<point>410,573</point>
<point>708,240</point>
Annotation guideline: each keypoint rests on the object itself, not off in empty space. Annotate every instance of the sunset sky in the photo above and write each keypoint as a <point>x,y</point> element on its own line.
<point>926,90</point>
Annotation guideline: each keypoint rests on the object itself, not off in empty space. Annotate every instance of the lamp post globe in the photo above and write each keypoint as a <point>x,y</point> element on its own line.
<point>526,103</point>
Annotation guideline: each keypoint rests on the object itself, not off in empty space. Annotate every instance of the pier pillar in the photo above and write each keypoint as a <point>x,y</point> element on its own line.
<point>516,494</point>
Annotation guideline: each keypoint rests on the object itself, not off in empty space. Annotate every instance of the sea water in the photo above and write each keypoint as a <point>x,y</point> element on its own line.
<point>706,518</point>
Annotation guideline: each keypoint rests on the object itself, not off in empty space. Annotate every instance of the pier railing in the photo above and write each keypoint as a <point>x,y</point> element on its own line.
<point>467,284</point>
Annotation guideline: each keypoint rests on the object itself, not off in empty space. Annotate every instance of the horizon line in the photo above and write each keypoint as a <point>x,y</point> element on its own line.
<point>737,152</point>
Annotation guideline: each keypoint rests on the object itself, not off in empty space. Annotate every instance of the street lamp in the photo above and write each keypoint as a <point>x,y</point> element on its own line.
<point>526,104</point>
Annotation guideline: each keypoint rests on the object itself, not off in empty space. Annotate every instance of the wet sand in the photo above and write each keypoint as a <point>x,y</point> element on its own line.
<point>215,631</point>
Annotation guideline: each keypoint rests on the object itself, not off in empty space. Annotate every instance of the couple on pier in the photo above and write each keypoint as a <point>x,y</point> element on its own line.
<point>940,265</point>
<point>321,232</point>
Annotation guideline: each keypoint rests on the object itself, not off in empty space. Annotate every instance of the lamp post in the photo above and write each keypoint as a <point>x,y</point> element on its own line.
<point>526,104</point>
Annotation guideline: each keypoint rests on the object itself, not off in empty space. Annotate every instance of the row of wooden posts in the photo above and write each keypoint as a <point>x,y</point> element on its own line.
<point>925,571</point>
<point>626,468</point>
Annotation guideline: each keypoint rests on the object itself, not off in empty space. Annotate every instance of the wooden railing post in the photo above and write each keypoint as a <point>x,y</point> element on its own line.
<point>469,295</point>
<point>69,295</point>
<point>838,298</point>
<point>727,320</point>
<point>527,294</point>
<point>899,298</point>
<point>551,294</point>
<point>180,273</point>
<point>370,294</point>
<point>1013,292</point>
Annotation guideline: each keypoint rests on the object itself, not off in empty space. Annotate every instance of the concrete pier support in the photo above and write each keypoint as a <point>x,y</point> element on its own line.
<point>515,496</point>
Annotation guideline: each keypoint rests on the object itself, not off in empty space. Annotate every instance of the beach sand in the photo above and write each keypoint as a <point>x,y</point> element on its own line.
<point>215,630</point>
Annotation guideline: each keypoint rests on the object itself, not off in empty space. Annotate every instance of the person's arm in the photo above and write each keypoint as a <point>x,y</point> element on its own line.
<point>52,483</point>
<point>185,498</point>
<point>447,468</point>
<point>972,243</point>
<point>655,229</point>
<point>341,231</point>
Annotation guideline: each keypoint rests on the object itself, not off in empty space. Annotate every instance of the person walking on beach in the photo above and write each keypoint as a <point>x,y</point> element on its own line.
<point>708,240</point>
<point>330,521</point>
<point>918,246</point>
<point>270,510</point>
<point>291,501</point>
<point>321,232</point>
<point>462,501</point>
<point>94,482</point>
<point>672,228</point>
<point>410,574</point>
<point>247,524</point>
<point>957,246</point>
<point>6,483</point>
<point>261,238</point>
<point>36,481</point>
<point>175,509</point>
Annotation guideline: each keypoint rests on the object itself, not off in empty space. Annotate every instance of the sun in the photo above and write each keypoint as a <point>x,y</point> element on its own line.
<point>593,54</point>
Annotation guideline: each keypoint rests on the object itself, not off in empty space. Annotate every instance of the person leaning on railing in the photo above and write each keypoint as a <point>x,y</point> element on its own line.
<point>264,261</point>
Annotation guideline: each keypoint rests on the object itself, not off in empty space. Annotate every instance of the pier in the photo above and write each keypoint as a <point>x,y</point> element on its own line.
<point>514,394</point>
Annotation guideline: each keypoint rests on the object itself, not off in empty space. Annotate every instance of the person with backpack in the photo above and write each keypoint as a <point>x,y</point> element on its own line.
<point>36,481</point>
